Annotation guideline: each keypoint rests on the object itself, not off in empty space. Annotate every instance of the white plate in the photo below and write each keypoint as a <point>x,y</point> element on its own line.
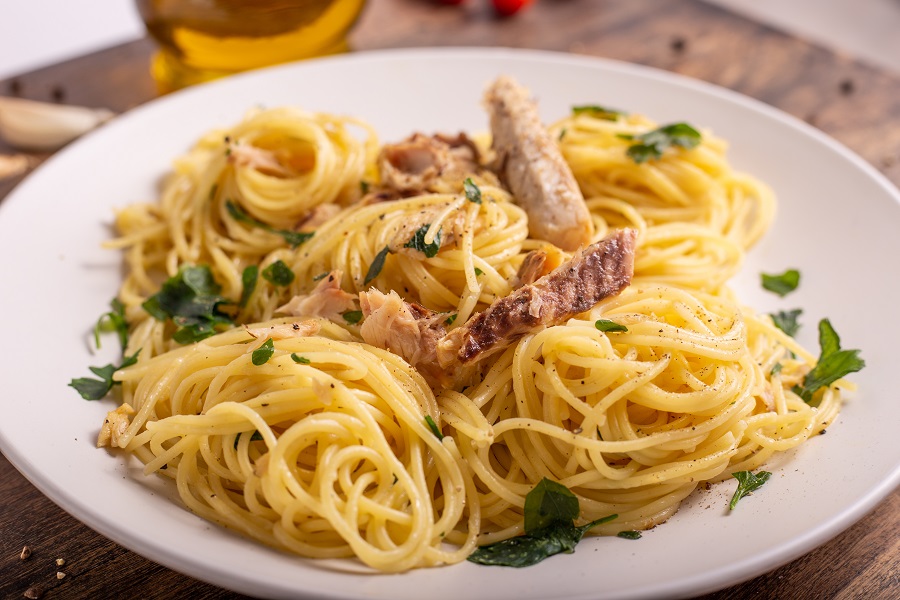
<point>838,222</point>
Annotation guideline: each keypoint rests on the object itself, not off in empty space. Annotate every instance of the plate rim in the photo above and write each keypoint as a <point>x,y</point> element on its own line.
<point>732,574</point>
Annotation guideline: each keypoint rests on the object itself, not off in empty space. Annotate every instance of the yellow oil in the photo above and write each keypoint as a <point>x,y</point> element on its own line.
<point>201,40</point>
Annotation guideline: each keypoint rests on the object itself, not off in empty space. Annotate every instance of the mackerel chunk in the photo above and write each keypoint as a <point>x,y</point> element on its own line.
<point>601,270</point>
<point>534,169</point>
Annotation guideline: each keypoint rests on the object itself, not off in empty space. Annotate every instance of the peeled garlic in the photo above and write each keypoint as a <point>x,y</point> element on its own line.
<point>30,125</point>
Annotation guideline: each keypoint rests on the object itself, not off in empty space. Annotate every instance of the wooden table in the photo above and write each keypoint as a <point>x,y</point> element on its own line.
<point>853,102</point>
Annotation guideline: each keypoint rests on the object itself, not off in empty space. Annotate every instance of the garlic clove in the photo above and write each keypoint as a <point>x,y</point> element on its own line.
<point>31,125</point>
<point>12,165</point>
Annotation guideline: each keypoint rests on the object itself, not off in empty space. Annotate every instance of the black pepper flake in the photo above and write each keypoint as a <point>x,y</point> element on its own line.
<point>15,86</point>
<point>678,45</point>
<point>58,93</point>
<point>847,87</point>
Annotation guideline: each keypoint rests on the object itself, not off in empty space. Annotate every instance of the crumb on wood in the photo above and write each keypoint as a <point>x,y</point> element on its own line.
<point>26,552</point>
<point>33,593</point>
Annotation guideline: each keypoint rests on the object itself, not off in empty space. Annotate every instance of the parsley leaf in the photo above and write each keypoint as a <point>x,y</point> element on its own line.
<point>302,360</point>
<point>607,325</point>
<point>191,299</point>
<point>547,502</point>
<point>363,186</point>
<point>256,437</point>
<point>278,273</point>
<point>473,192</point>
<point>249,278</point>
<point>353,316</point>
<point>600,112</point>
<point>629,535</point>
<point>95,389</point>
<point>417,242</point>
<point>652,144</point>
<point>786,320</point>
<point>833,363</point>
<point>550,511</point>
<point>782,284</point>
<point>747,483</point>
<point>434,428</point>
<point>377,265</point>
<point>449,320</point>
<point>113,321</point>
<point>262,354</point>
<point>478,272</point>
<point>294,238</point>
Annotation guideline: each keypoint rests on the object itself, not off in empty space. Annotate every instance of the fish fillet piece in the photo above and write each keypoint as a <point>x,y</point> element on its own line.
<point>421,164</point>
<point>406,329</point>
<point>326,300</point>
<point>532,166</point>
<point>601,270</point>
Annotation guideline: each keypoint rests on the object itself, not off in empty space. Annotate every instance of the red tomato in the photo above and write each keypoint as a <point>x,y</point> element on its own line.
<point>509,7</point>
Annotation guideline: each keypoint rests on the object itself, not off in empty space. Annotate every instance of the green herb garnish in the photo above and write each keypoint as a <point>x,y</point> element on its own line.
<point>417,242</point>
<point>434,428</point>
<point>262,354</point>
<point>747,483</point>
<point>278,273</point>
<point>782,284</point>
<point>302,360</point>
<point>833,363</point>
<point>364,186</point>
<point>473,192</point>
<point>113,321</point>
<point>449,320</point>
<point>607,325</point>
<point>248,281</point>
<point>377,265</point>
<point>256,437</point>
<point>550,508</point>
<point>95,389</point>
<point>652,144</point>
<point>600,112</point>
<point>629,535</point>
<point>353,316</point>
<point>294,238</point>
<point>786,320</point>
<point>320,276</point>
<point>478,272</point>
<point>191,299</point>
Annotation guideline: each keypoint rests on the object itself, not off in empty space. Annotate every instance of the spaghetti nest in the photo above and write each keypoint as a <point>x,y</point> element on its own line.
<point>295,432</point>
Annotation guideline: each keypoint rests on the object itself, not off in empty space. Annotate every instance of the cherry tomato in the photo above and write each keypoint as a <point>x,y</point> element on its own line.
<point>506,8</point>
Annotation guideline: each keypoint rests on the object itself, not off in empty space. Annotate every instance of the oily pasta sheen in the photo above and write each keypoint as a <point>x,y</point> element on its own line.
<point>279,421</point>
<point>323,450</point>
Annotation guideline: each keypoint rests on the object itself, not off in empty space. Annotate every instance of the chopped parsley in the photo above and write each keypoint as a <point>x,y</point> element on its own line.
<point>377,265</point>
<point>320,276</point>
<point>478,272</point>
<point>652,144</point>
<point>630,535</point>
<point>256,437</point>
<point>747,483</point>
<point>449,320</point>
<point>191,299</point>
<point>473,192</point>
<point>607,325</point>
<point>353,316</point>
<point>278,273</point>
<point>833,363</point>
<point>786,320</point>
<point>95,389</point>
<point>600,112</point>
<point>294,238</point>
<point>782,284</point>
<point>550,513</point>
<point>433,427</point>
<point>262,354</point>
<point>301,360</point>
<point>364,186</point>
<point>248,280</point>
<point>417,242</point>
<point>113,321</point>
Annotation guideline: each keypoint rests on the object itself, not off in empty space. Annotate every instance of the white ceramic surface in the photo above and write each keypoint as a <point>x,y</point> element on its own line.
<point>838,222</point>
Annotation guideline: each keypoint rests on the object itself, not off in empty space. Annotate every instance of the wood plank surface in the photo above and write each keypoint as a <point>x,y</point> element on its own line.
<point>857,104</point>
